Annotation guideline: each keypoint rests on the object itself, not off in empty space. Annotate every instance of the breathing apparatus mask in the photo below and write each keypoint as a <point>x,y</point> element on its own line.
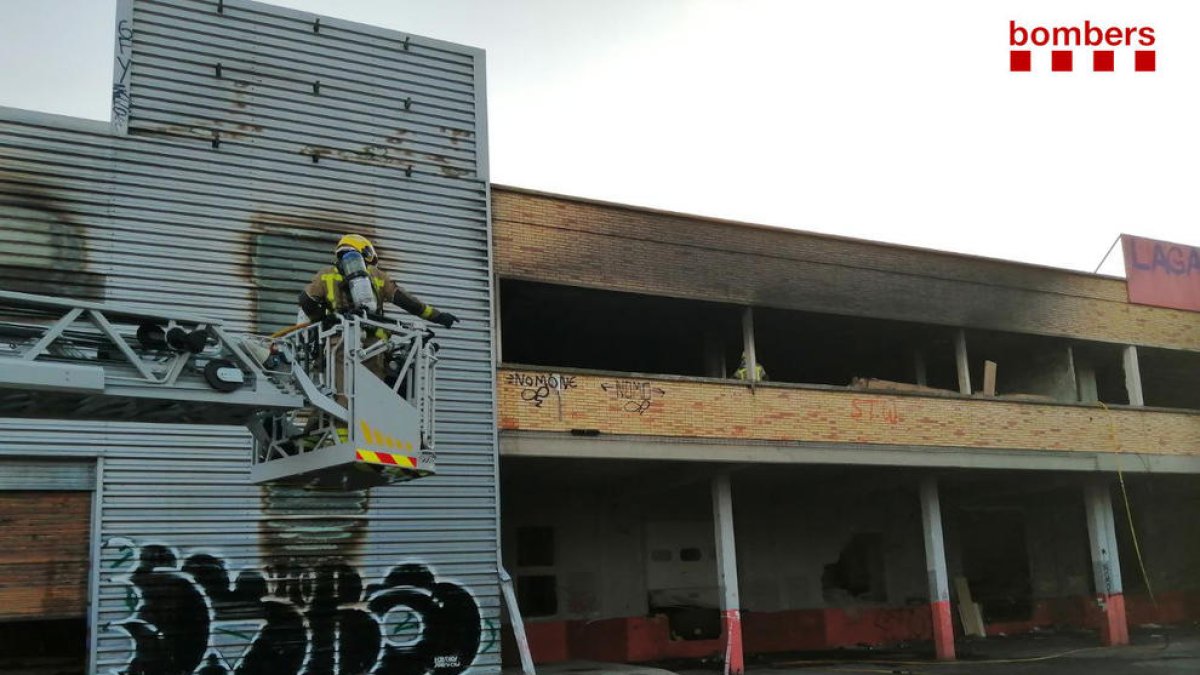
<point>358,280</point>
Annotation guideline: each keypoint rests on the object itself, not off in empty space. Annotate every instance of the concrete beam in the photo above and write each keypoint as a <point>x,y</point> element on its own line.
<point>935,567</point>
<point>727,579</point>
<point>1106,564</point>
<point>636,447</point>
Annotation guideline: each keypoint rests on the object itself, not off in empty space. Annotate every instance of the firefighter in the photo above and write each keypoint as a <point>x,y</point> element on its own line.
<point>356,282</point>
<point>744,369</point>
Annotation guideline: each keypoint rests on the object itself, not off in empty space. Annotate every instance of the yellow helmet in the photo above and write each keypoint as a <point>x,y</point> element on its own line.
<point>358,243</point>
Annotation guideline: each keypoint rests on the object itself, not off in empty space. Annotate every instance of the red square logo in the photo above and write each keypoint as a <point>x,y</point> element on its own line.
<point>1060,61</point>
<point>1102,61</point>
<point>1018,61</point>
<point>1143,61</point>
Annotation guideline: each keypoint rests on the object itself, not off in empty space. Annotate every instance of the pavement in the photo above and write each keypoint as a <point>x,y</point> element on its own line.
<point>1153,650</point>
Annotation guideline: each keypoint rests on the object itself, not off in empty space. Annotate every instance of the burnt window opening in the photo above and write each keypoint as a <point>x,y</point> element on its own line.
<point>1100,373</point>
<point>690,555</point>
<point>537,595</point>
<point>859,571</point>
<point>809,348</point>
<point>1169,378</point>
<point>1027,366</point>
<point>535,546</point>
<point>282,264</point>
<point>569,327</point>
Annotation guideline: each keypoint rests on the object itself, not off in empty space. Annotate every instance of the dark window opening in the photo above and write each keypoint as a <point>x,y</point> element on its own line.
<point>1027,366</point>
<point>803,347</point>
<point>535,546</point>
<point>1169,378</point>
<point>996,562</point>
<point>1100,371</point>
<point>537,595</point>
<point>56,646</point>
<point>569,327</point>
<point>689,554</point>
<point>692,623</point>
<point>858,573</point>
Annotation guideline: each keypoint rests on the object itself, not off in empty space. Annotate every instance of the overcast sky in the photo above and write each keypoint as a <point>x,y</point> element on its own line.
<point>888,120</point>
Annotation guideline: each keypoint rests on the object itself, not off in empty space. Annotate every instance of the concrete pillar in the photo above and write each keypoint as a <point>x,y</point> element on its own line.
<point>1073,376</point>
<point>1086,374</point>
<point>964,366</point>
<point>1106,566</point>
<point>1133,376</point>
<point>748,345</point>
<point>935,567</point>
<point>714,355</point>
<point>727,579</point>
<point>919,368</point>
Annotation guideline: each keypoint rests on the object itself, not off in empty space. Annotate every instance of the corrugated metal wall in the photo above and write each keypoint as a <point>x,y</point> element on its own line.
<point>255,136</point>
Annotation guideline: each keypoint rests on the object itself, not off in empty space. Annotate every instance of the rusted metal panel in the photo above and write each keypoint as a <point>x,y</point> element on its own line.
<point>43,554</point>
<point>1162,274</point>
<point>219,191</point>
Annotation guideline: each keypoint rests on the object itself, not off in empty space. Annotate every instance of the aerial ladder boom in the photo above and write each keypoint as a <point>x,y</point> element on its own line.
<point>345,403</point>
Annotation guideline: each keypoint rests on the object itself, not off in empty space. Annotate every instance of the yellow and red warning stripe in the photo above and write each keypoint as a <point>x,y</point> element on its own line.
<point>372,457</point>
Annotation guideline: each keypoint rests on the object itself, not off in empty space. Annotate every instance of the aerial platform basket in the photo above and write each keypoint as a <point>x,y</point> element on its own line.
<point>370,418</point>
<point>345,404</point>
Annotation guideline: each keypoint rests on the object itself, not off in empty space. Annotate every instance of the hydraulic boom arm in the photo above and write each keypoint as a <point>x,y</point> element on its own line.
<point>347,403</point>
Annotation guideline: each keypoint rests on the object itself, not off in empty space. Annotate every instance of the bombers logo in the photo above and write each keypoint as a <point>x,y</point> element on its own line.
<point>1063,39</point>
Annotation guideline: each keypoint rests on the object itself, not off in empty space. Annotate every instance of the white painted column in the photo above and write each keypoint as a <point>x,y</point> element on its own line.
<point>935,568</point>
<point>964,366</point>
<point>1106,564</point>
<point>748,345</point>
<point>1086,373</point>
<point>1133,376</point>
<point>727,578</point>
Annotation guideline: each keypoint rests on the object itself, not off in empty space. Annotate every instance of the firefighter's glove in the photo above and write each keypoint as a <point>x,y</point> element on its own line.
<point>445,319</point>
<point>329,321</point>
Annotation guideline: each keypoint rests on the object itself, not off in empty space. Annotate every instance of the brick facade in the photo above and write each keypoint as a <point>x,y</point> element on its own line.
<point>541,401</point>
<point>569,241</point>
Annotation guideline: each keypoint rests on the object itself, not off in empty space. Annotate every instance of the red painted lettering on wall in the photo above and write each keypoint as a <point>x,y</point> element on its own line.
<point>874,410</point>
<point>1162,274</point>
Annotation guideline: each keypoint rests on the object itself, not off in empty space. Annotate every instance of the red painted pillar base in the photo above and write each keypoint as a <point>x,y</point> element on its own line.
<point>1114,630</point>
<point>943,630</point>
<point>735,663</point>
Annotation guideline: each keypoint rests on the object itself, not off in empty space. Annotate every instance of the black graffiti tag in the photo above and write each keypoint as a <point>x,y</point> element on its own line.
<point>120,89</point>
<point>635,396</point>
<point>537,388</point>
<point>291,620</point>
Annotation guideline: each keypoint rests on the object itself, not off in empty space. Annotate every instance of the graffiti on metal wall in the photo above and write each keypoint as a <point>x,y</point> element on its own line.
<point>633,395</point>
<point>120,90</point>
<point>192,615</point>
